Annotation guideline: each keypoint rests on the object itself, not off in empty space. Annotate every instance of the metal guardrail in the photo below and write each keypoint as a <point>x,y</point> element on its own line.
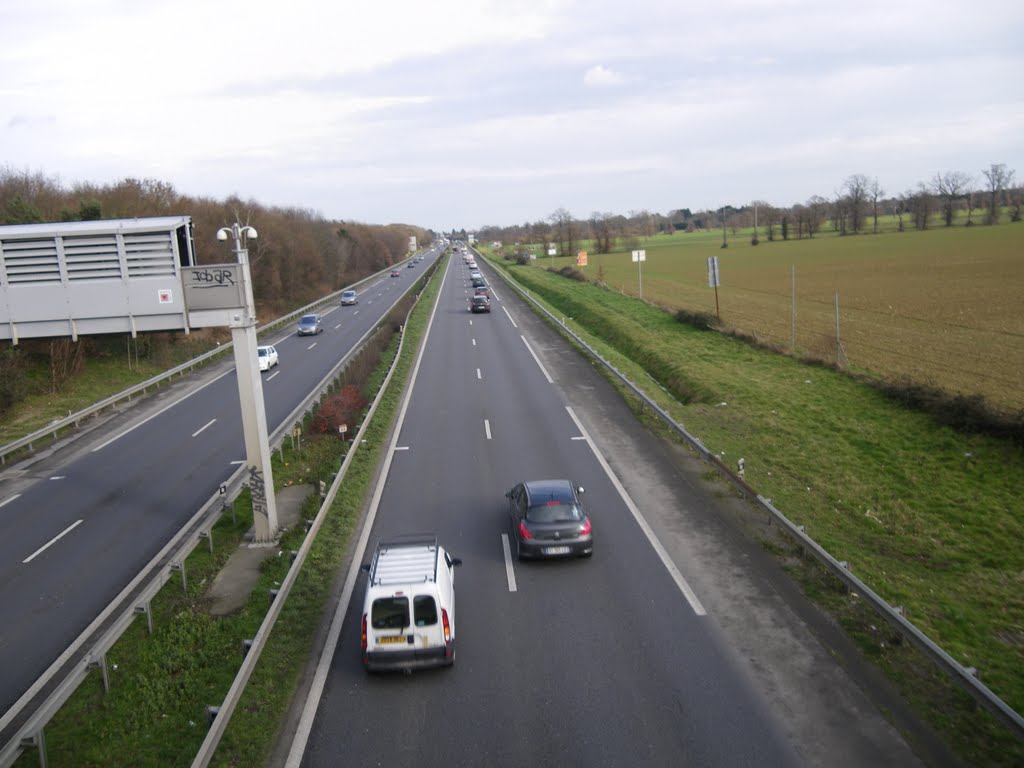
<point>73,420</point>
<point>135,598</point>
<point>964,677</point>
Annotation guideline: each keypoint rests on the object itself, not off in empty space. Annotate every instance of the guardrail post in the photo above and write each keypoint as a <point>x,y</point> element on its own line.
<point>246,645</point>
<point>144,608</point>
<point>211,714</point>
<point>101,663</point>
<point>37,740</point>
<point>208,535</point>
<point>273,595</point>
<point>180,566</point>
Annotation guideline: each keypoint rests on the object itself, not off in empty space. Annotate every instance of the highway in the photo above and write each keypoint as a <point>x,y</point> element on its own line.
<point>614,660</point>
<point>78,526</point>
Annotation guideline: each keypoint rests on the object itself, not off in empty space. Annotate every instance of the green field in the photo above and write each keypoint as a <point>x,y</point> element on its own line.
<point>943,307</point>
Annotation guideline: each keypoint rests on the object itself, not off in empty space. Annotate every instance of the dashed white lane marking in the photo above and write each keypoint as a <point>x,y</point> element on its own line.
<point>474,342</point>
<point>337,326</point>
<point>509,573</point>
<point>578,437</point>
<point>52,541</point>
<point>166,408</point>
<point>272,375</point>
<point>205,426</point>
<point>471,321</point>
<point>537,360</point>
<point>58,477</point>
<point>509,317</point>
<point>487,428</point>
<point>478,374</point>
<point>401,447</point>
<point>240,461</point>
<point>311,345</point>
<point>5,502</point>
<point>673,571</point>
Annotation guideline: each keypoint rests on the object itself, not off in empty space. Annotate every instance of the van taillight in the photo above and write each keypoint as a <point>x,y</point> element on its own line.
<point>364,632</point>
<point>524,531</point>
<point>447,626</point>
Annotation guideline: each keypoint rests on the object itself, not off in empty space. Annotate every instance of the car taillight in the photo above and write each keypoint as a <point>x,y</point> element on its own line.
<point>585,528</point>
<point>524,531</point>
<point>364,632</point>
<point>447,626</point>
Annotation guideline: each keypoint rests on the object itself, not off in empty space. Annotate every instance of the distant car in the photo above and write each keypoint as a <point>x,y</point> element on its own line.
<point>310,325</point>
<point>482,290</point>
<point>395,273</point>
<point>479,304</point>
<point>479,282</point>
<point>267,357</point>
<point>410,265</point>
<point>475,274</point>
<point>349,297</point>
<point>548,520</point>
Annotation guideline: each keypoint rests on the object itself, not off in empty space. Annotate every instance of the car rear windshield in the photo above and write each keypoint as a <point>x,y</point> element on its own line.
<point>424,610</point>
<point>308,320</point>
<point>390,613</point>
<point>554,512</point>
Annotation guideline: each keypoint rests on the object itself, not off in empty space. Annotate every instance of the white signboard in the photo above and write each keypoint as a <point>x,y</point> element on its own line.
<point>639,255</point>
<point>713,272</point>
<point>552,251</point>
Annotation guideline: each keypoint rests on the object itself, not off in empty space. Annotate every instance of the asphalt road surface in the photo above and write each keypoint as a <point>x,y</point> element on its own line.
<point>80,524</point>
<point>637,656</point>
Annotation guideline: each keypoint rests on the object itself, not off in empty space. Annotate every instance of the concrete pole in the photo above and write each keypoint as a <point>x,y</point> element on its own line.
<point>254,416</point>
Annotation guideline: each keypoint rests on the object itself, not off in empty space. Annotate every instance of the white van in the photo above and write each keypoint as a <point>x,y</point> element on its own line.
<point>409,609</point>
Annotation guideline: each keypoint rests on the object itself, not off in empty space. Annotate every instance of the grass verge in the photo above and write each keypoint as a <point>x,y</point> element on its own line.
<point>154,714</point>
<point>928,517</point>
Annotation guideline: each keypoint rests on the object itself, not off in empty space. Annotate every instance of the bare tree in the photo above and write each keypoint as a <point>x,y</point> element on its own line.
<point>856,187</point>
<point>817,210</point>
<point>998,179</point>
<point>566,231</point>
<point>951,187</point>
<point>875,191</point>
<point>921,203</point>
<point>602,228</point>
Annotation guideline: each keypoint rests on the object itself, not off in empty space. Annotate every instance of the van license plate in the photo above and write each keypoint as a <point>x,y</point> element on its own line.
<point>390,639</point>
<point>556,550</point>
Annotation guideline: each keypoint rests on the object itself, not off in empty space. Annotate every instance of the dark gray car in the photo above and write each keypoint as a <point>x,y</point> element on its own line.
<point>310,325</point>
<point>548,520</point>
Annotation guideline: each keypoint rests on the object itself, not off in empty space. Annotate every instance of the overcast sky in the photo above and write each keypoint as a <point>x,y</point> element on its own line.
<point>459,113</point>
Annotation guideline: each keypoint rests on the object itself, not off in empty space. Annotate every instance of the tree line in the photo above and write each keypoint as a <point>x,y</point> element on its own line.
<point>298,257</point>
<point>853,208</point>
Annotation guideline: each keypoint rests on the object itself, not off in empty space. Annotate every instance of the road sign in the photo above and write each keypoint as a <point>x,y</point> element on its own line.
<point>713,281</point>
<point>639,255</point>
<point>552,251</point>
<point>581,258</point>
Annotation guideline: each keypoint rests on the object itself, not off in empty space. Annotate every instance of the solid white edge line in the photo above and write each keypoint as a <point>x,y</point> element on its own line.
<point>205,426</point>
<point>52,541</point>
<point>162,410</point>
<point>316,688</point>
<point>5,502</point>
<point>509,572</point>
<point>503,309</point>
<point>272,375</point>
<point>673,571</point>
<point>487,428</point>
<point>537,361</point>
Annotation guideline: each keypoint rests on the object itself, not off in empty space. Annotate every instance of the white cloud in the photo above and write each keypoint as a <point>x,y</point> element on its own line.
<point>600,76</point>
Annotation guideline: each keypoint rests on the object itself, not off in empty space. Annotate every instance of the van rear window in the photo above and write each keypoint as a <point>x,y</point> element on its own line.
<point>390,613</point>
<point>425,610</point>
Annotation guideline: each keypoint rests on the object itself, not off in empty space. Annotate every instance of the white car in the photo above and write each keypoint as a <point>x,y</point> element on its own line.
<point>409,608</point>
<point>267,357</point>
<point>348,298</point>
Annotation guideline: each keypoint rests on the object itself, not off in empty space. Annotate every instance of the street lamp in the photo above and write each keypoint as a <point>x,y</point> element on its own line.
<point>250,394</point>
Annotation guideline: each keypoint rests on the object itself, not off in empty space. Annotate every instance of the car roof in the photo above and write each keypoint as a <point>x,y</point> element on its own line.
<point>550,490</point>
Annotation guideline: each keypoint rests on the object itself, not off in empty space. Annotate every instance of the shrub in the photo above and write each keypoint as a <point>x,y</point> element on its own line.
<point>338,408</point>
<point>702,321</point>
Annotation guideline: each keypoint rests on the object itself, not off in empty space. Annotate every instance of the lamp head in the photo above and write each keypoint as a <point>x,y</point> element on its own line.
<point>250,232</point>
<point>222,234</point>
